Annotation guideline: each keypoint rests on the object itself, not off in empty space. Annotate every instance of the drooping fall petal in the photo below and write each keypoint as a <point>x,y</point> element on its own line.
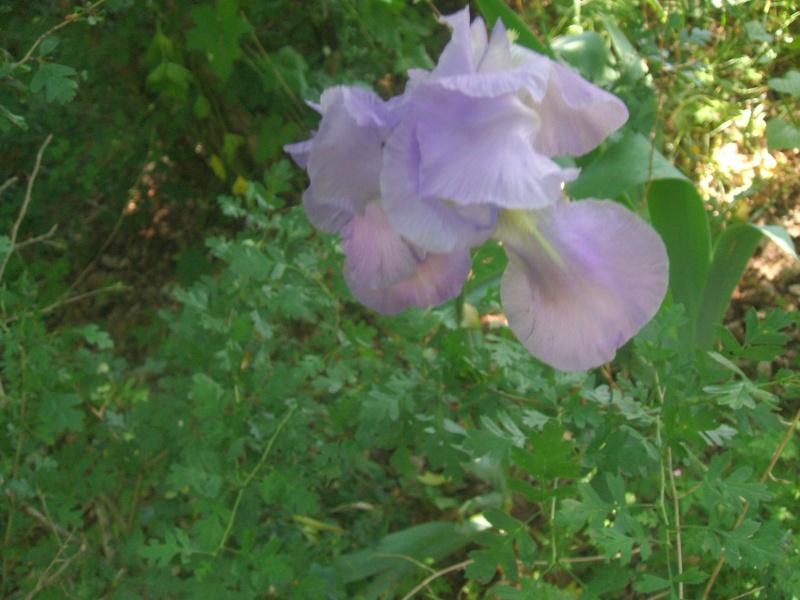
<point>436,279</point>
<point>582,279</point>
<point>377,257</point>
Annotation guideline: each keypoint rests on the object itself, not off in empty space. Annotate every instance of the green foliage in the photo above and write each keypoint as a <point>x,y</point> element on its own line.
<point>57,82</point>
<point>782,134</point>
<point>702,279</point>
<point>217,30</point>
<point>274,438</point>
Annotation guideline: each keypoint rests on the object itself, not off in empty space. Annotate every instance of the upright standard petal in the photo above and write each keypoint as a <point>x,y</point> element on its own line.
<point>346,155</point>
<point>459,55</point>
<point>497,56</point>
<point>582,279</point>
<point>470,49</point>
<point>478,150</point>
<point>429,222</point>
<point>436,279</point>
<point>576,114</point>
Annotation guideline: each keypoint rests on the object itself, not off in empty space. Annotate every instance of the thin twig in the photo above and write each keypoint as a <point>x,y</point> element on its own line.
<point>662,503</point>
<point>536,563</point>
<point>37,515</point>
<point>38,238</point>
<point>71,18</point>
<point>583,559</point>
<point>677,511</point>
<point>445,571</point>
<point>523,400</point>
<point>25,203</point>
<point>781,447</point>
<point>44,580</point>
<point>114,287</point>
<point>109,238</point>
<point>296,104</point>
<point>7,184</point>
<point>750,593</point>
<point>74,285</point>
<point>405,557</point>
<point>433,8</point>
<point>249,478</point>
<point>137,490</point>
<point>767,473</point>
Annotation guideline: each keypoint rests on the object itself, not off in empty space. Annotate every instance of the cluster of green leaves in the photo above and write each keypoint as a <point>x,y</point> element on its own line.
<point>241,87</point>
<point>783,133</point>
<point>281,441</point>
<point>206,92</point>
<point>278,440</point>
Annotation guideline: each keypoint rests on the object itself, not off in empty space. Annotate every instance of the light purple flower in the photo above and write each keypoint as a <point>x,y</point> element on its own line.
<point>582,279</point>
<point>478,134</point>
<point>466,153</point>
<point>388,274</point>
<point>345,157</point>
<point>344,162</point>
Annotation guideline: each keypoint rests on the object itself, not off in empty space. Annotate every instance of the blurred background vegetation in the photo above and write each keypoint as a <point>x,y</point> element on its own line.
<point>192,404</point>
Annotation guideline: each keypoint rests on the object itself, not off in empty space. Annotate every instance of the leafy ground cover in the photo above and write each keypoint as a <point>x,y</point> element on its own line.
<point>194,405</point>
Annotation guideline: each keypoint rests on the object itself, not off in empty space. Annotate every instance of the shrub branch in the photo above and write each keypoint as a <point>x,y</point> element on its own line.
<point>25,203</point>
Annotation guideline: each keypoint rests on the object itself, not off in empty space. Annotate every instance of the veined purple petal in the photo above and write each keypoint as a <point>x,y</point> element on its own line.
<point>480,40</point>
<point>479,151</point>
<point>377,257</point>
<point>497,56</point>
<point>582,279</point>
<point>436,279</point>
<point>300,152</point>
<point>331,215</point>
<point>346,155</point>
<point>428,222</point>
<point>363,106</point>
<point>493,84</point>
<point>576,114</point>
<point>458,56</point>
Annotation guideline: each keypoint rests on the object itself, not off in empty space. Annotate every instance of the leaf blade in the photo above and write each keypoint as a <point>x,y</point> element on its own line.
<point>732,251</point>
<point>678,214</point>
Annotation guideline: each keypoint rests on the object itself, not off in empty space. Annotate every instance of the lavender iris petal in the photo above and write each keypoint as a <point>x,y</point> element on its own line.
<point>581,284</point>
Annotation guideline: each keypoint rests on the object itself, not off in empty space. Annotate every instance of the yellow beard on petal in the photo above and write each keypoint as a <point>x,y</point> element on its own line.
<point>513,223</point>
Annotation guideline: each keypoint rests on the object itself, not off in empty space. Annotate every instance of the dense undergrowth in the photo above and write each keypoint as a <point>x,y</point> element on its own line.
<point>253,432</point>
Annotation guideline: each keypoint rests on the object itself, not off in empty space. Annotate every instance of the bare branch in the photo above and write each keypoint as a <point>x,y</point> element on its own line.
<point>71,18</point>
<point>38,238</point>
<point>25,203</point>
<point>7,184</point>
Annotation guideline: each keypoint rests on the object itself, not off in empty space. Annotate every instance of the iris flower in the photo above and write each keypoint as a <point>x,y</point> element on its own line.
<point>478,134</point>
<point>465,154</point>
<point>344,161</point>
